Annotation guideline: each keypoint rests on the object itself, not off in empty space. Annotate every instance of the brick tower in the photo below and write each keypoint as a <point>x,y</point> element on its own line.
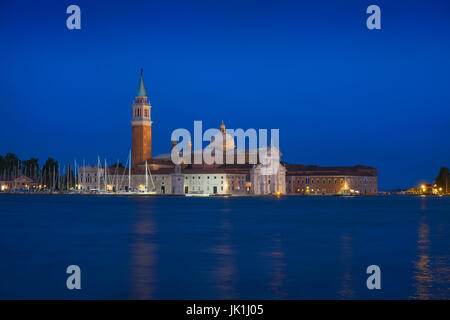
<point>141,125</point>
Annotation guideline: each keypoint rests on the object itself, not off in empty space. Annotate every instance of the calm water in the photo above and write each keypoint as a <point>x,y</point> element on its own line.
<point>244,248</point>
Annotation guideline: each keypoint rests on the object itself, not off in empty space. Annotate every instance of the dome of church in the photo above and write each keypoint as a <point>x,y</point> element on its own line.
<point>222,140</point>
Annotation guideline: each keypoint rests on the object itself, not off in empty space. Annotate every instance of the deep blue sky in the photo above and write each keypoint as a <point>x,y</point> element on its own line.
<point>339,93</point>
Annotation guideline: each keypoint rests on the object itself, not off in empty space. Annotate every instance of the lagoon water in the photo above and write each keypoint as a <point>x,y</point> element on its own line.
<point>224,248</point>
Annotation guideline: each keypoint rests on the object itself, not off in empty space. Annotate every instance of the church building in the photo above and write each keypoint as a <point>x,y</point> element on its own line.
<point>161,176</point>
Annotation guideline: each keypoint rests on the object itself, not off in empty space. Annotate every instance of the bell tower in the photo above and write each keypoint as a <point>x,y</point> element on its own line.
<point>141,126</point>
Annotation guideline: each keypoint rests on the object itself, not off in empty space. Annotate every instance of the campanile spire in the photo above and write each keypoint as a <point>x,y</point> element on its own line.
<point>141,89</point>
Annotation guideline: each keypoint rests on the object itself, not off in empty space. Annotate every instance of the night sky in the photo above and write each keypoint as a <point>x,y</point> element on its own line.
<point>339,93</point>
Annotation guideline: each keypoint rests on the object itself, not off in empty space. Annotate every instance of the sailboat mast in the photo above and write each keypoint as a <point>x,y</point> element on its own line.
<point>116,178</point>
<point>53,178</point>
<point>75,173</point>
<point>106,178</point>
<point>98,173</point>
<point>146,177</point>
<point>59,178</point>
<point>14,170</point>
<point>84,174</point>
<point>129,171</point>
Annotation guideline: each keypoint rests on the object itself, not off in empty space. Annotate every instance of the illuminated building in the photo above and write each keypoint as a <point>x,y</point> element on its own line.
<point>162,176</point>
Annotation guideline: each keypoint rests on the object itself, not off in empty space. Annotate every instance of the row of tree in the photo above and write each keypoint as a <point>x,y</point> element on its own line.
<point>49,174</point>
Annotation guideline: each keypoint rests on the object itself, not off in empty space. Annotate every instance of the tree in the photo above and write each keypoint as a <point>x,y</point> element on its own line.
<point>11,165</point>
<point>2,166</point>
<point>11,161</point>
<point>31,167</point>
<point>68,178</point>
<point>117,165</point>
<point>443,179</point>
<point>50,173</point>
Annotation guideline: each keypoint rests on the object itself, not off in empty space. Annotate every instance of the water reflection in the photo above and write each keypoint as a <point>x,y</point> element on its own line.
<point>423,277</point>
<point>346,289</point>
<point>442,274</point>
<point>431,274</point>
<point>278,267</point>
<point>226,266</point>
<point>143,257</point>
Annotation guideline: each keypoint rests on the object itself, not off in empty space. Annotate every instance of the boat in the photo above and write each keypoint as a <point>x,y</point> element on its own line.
<point>197,194</point>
